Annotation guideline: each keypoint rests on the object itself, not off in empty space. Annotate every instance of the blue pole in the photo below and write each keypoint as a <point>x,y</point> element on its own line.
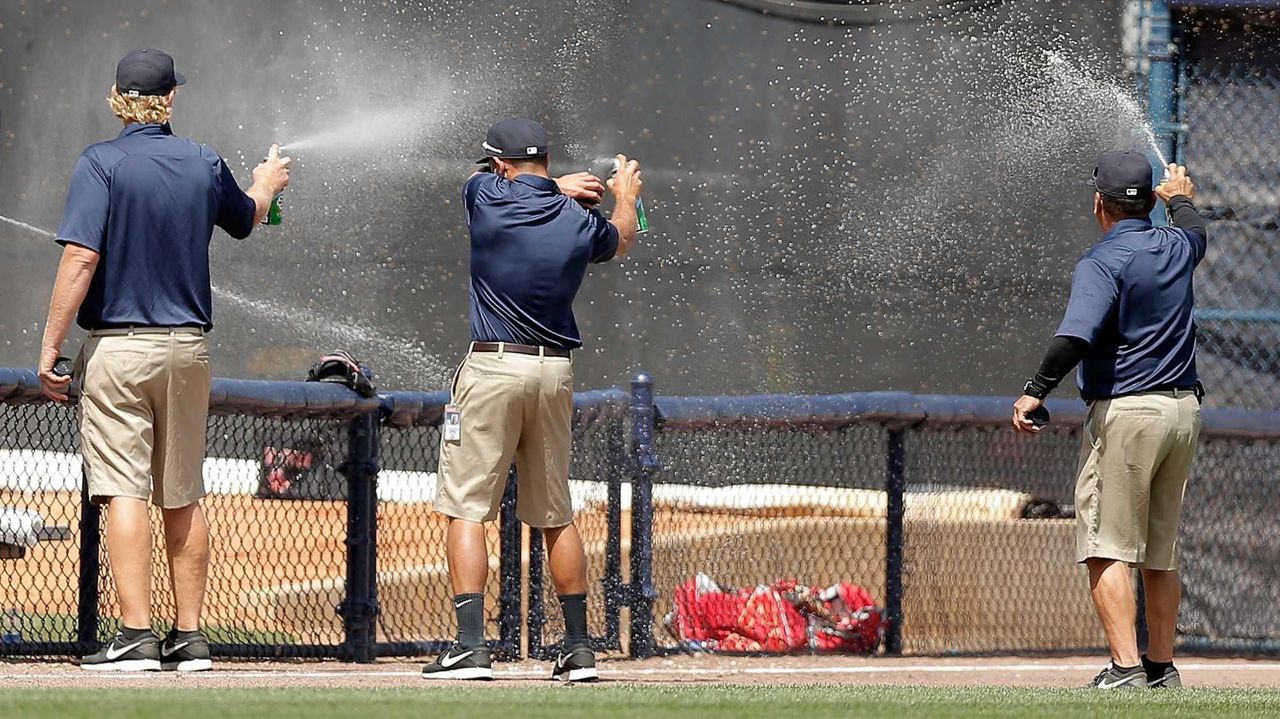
<point>359,610</point>
<point>510,539</point>
<point>537,616</point>
<point>645,460</point>
<point>1161,87</point>
<point>895,510</point>
<point>90,566</point>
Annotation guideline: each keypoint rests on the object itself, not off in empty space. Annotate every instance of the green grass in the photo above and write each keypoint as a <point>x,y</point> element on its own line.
<point>38,627</point>
<point>606,701</point>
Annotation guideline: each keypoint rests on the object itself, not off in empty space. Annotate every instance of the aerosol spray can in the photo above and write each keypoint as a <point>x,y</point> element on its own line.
<point>642,220</point>
<point>274,216</point>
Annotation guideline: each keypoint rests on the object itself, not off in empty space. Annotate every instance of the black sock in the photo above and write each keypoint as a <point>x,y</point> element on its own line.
<point>1155,668</point>
<point>470,611</point>
<point>129,634</point>
<point>574,607</point>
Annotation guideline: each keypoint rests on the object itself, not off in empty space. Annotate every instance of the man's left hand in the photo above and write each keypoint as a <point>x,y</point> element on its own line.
<point>1025,405</point>
<point>584,187</point>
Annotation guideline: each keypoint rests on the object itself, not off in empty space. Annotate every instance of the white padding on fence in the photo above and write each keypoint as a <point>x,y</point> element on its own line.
<point>25,470</point>
<point>20,527</point>
<point>29,470</point>
<point>36,471</point>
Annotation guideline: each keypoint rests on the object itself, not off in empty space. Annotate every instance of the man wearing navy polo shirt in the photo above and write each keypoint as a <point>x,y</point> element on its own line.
<point>1129,324</point>
<point>512,397</point>
<point>135,233</point>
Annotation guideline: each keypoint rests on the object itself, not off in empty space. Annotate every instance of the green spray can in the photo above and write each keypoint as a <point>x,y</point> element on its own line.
<point>642,220</point>
<point>274,215</point>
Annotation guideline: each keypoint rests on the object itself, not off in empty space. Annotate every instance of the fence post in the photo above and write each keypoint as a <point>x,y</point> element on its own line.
<point>614,590</point>
<point>895,487</point>
<point>509,589</point>
<point>537,617</point>
<point>90,568</point>
<point>1161,88</point>
<point>359,609</point>
<point>644,464</point>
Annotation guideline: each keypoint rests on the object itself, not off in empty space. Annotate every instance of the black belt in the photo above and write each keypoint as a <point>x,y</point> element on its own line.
<point>519,349</point>
<point>1197,389</point>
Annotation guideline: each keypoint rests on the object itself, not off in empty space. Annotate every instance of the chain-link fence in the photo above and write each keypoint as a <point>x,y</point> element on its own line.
<point>881,522</point>
<point>960,530</point>
<point>324,540</point>
<point>1230,113</point>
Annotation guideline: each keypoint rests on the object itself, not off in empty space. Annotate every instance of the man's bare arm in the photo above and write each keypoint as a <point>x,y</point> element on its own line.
<point>624,218</point>
<point>75,273</point>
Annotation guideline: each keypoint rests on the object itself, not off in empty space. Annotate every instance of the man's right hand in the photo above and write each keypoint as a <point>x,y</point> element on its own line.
<point>52,384</point>
<point>625,183</point>
<point>1177,183</point>
<point>273,173</point>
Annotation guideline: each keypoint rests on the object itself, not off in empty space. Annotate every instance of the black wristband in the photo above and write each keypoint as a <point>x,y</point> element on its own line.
<point>1036,388</point>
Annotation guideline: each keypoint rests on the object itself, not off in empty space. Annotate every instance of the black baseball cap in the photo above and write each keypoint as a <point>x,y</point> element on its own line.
<point>146,72</point>
<point>1123,174</point>
<point>517,138</point>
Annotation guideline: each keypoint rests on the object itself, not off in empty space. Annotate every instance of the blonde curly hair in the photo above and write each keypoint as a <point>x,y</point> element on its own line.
<point>146,109</point>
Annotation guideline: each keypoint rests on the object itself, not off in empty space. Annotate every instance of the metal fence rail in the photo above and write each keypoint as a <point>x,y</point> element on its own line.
<point>326,544</point>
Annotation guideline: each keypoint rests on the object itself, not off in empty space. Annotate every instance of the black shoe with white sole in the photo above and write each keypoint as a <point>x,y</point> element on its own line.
<point>459,662</point>
<point>185,652</point>
<point>1161,676</point>
<point>575,665</point>
<point>130,650</point>
<point>1114,677</point>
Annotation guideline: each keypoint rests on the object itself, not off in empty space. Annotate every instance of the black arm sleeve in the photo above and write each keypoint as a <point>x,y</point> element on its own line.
<point>1062,356</point>
<point>1185,216</point>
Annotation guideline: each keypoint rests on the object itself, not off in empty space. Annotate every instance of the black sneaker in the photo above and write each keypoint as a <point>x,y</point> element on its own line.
<point>576,665</point>
<point>1114,677</point>
<point>185,652</point>
<point>1161,678</point>
<point>130,650</point>
<point>459,662</point>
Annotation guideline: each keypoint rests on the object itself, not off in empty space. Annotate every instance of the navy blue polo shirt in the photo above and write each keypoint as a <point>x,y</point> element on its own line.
<point>530,247</point>
<point>1131,300</point>
<point>147,203</point>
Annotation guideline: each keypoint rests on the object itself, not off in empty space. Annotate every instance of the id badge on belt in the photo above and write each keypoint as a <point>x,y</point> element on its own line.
<point>452,423</point>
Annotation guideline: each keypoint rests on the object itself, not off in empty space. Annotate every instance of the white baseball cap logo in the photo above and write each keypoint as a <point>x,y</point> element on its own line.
<point>1131,191</point>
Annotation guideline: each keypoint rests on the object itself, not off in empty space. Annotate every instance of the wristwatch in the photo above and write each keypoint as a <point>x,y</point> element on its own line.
<point>1034,390</point>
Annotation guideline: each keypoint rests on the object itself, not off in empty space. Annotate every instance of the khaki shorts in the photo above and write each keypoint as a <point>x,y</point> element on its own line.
<point>144,405</point>
<point>513,407</point>
<point>1135,458</point>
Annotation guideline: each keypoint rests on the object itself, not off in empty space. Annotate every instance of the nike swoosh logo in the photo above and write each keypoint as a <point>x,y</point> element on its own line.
<point>447,661</point>
<point>463,603</point>
<point>560,660</point>
<point>174,649</point>
<point>114,654</point>
<point>1104,685</point>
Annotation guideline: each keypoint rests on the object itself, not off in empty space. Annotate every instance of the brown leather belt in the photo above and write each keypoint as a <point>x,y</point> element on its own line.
<point>518,349</point>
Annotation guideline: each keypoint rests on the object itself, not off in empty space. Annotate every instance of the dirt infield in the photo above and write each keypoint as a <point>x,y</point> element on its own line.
<point>683,670</point>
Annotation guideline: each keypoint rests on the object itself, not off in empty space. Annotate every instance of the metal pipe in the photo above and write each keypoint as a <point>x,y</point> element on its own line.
<point>644,465</point>
<point>359,609</point>
<point>895,489</point>
<point>90,567</point>
<point>510,605</point>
